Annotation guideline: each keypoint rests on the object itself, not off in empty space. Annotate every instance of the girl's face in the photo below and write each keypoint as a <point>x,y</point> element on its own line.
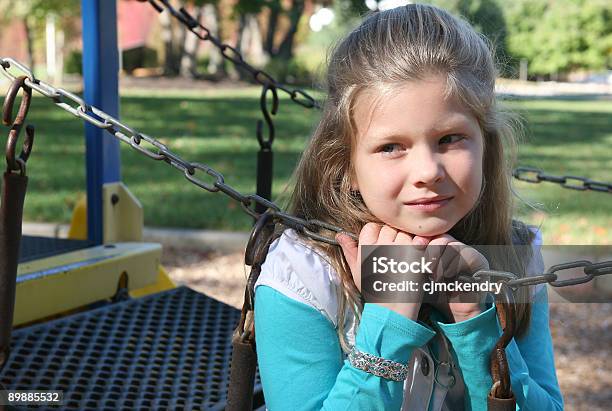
<point>415,145</point>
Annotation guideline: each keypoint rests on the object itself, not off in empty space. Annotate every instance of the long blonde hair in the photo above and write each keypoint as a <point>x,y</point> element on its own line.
<point>391,47</point>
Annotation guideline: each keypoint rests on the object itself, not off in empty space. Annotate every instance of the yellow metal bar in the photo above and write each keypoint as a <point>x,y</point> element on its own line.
<point>56,284</point>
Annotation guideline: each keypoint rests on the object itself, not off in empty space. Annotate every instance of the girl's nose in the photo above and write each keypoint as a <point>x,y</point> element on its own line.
<point>425,166</point>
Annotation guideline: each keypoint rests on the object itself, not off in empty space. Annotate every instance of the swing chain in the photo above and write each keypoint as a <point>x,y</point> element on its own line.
<point>590,270</point>
<point>535,175</point>
<point>314,229</point>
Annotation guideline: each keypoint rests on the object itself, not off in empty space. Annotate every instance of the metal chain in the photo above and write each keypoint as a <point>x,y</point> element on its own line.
<point>156,150</point>
<point>535,175</point>
<point>590,270</point>
<point>196,172</point>
<point>230,53</point>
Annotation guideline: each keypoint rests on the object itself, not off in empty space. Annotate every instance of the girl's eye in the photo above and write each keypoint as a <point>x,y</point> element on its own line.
<point>451,138</point>
<point>390,148</point>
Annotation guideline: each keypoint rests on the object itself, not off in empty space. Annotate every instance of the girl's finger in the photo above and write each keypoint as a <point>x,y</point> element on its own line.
<point>451,259</point>
<point>469,262</point>
<point>420,242</point>
<point>369,234</point>
<point>403,238</point>
<point>472,260</point>
<point>387,235</point>
<point>350,249</point>
<point>442,239</point>
<point>434,252</point>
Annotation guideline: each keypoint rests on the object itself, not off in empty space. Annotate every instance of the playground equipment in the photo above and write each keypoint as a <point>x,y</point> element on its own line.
<point>169,349</point>
<point>164,347</point>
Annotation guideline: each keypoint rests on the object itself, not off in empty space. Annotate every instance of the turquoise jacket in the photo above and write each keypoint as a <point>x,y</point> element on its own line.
<point>302,366</point>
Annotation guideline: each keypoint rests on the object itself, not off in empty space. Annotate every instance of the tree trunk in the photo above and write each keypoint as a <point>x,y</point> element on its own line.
<point>241,28</point>
<point>181,33</point>
<point>275,9</point>
<point>59,72</point>
<point>216,62</point>
<point>285,50</point>
<point>167,38</point>
<point>252,47</point>
<point>30,42</point>
<point>238,74</point>
<point>50,47</point>
<point>189,60</point>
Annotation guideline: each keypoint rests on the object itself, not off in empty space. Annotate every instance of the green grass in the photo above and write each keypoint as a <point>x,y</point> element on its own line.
<point>568,137</point>
<point>217,128</point>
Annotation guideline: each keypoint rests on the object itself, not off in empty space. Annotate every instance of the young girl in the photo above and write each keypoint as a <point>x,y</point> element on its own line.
<point>411,149</point>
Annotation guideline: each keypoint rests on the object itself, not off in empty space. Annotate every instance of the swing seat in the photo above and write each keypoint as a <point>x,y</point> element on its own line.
<point>170,350</point>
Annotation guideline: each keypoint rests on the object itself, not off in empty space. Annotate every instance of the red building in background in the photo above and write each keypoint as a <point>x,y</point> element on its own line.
<point>135,21</point>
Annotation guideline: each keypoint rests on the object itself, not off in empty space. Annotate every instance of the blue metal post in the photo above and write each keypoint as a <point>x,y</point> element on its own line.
<point>101,83</point>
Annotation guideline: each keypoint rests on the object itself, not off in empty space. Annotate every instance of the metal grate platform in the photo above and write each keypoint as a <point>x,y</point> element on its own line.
<point>166,351</point>
<point>34,248</point>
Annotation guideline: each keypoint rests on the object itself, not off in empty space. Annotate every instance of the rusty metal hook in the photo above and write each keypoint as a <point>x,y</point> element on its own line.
<point>266,114</point>
<point>257,251</point>
<point>260,234</point>
<point>506,311</point>
<point>18,162</point>
<point>254,256</point>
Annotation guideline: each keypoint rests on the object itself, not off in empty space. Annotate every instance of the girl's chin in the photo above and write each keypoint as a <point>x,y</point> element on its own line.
<point>425,230</point>
<point>428,234</point>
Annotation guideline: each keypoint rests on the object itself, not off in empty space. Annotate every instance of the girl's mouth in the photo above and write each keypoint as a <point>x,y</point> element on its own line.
<point>429,206</point>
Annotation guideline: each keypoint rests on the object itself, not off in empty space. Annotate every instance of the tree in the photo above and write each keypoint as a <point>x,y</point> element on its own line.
<point>180,46</point>
<point>31,12</point>
<point>561,36</point>
<point>257,46</point>
<point>250,42</point>
<point>216,63</point>
<point>285,50</point>
<point>275,11</point>
<point>173,47</point>
<point>191,44</point>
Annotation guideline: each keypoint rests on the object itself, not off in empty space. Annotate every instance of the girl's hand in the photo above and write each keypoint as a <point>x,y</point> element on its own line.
<point>451,259</point>
<point>376,234</point>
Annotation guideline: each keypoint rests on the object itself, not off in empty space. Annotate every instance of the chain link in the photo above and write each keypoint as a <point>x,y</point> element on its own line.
<point>535,175</point>
<point>314,229</point>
